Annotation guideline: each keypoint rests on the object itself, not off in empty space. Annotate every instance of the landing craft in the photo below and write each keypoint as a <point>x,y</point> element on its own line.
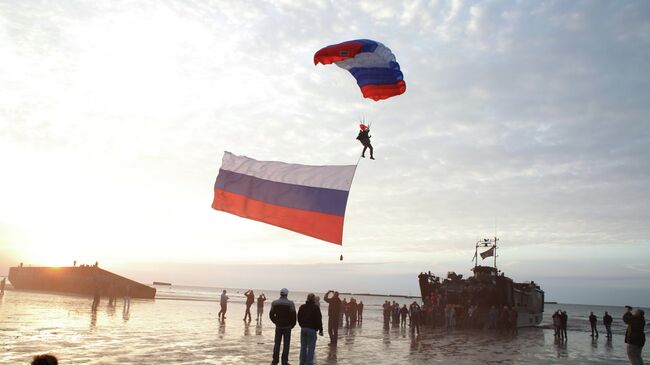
<point>487,287</point>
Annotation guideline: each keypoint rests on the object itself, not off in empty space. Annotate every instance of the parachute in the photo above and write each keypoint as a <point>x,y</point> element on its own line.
<point>371,63</point>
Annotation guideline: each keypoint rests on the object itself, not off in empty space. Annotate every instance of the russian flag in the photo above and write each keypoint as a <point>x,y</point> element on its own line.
<point>310,200</point>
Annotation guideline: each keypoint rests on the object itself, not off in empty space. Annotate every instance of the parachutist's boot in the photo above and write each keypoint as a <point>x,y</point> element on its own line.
<point>362,155</point>
<point>371,157</point>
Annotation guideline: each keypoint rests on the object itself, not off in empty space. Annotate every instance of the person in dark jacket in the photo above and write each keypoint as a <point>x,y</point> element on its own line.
<point>283,314</point>
<point>593,320</point>
<point>311,322</point>
<point>626,317</point>
<point>564,319</point>
<point>250,299</point>
<point>333,315</point>
<point>607,321</point>
<point>364,138</point>
<point>635,336</point>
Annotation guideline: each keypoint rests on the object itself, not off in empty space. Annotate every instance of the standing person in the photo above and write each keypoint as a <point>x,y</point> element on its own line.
<point>260,307</point>
<point>593,320</point>
<point>635,336</point>
<point>353,311</point>
<point>360,310</point>
<point>628,314</point>
<point>404,313</point>
<point>556,323</point>
<point>311,322</point>
<point>416,316</point>
<point>333,315</point>
<point>283,314</point>
<point>224,305</point>
<point>387,309</point>
<point>2,286</point>
<point>250,299</point>
<point>607,321</point>
<point>564,319</point>
<point>514,318</point>
<point>346,312</point>
<point>364,138</point>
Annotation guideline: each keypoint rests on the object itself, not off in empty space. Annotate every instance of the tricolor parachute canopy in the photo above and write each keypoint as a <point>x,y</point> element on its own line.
<point>310,200</point>
<point>371,63</point>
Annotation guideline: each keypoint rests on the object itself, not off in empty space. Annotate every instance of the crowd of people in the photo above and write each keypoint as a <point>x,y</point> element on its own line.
<point>450,316</point>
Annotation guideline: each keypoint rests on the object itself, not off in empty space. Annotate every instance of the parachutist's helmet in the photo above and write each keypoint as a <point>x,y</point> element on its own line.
<point>363,127</point>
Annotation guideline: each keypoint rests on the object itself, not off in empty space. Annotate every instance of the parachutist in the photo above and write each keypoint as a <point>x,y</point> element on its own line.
<point>341,259</point>
<point>364,138</point>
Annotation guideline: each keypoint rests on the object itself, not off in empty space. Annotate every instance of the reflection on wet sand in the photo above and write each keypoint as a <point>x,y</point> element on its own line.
<point>93,320</point>
<point>222,328</point>
<point>184,332</point>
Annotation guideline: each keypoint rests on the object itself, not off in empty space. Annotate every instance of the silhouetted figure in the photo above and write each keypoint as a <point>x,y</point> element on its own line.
<point>387,308</point>
<point>346,312</point>
<point>360,310</point>
<point>556,323</point>
<point>564,319</point>
<point>45,360</point>
<point>364,137</point>
<point>250,299</point>
<point>593,320</point>
<point>514,318</point>
<point>403,314</point>
<point>352,309</point>
<point>416,318</point>
<point>223,302</point>
<point>635,336</point>
<point>311,322</point>
<point>333,315</point>
<point>260,306</point>
<point>74,264</point>
<point>607,321</point>
<point>283,314</point>
<point>2,286</point>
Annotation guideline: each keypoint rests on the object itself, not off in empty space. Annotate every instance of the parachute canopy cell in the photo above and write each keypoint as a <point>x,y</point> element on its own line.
<point>371,63</point>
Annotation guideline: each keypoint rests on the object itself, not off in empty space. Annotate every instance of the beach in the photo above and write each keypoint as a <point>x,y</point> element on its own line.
<point>181,326</point>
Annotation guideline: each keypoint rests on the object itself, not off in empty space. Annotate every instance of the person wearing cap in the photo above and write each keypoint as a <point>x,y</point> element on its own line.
<point>283,314</point>
<point>364,138</point>
<point>311,322</point>
<point>635,336</point>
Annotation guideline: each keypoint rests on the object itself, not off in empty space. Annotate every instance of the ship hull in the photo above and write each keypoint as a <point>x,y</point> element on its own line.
<point>85,280</point>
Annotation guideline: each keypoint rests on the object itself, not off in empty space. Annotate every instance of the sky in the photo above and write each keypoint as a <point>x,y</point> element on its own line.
<point>524,119</point>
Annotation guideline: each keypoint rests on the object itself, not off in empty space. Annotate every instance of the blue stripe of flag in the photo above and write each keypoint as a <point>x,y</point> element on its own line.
<point>322,200</point>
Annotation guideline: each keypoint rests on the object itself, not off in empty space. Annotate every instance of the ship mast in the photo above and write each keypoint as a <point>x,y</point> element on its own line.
<point>486,242</point>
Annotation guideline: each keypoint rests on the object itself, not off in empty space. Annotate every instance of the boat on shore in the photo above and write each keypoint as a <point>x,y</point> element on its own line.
<point>86,280</point>
<point>162,283</point>
<point>486,288</point>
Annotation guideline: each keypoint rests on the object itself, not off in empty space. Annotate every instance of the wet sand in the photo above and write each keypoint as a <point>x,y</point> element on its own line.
<point>188,332</point>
